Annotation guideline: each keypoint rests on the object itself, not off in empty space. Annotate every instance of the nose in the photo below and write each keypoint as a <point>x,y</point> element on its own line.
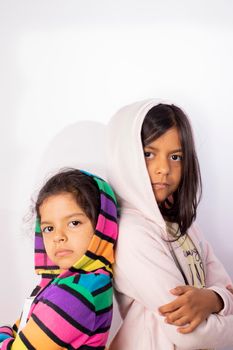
<point>59,236</point>
<point>162,166</point>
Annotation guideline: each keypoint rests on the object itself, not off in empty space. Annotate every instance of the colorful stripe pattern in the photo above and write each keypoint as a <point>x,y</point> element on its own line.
<point>73,310</point>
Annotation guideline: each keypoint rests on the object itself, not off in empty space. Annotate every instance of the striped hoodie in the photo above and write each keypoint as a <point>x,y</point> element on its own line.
<point>72,310</point>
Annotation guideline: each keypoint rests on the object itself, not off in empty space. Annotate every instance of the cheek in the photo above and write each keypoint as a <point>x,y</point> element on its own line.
<point>178,173</point>
<point>81,240</point>
<point>86,240</point>
<point>47,243</point>
<point>149,169</point>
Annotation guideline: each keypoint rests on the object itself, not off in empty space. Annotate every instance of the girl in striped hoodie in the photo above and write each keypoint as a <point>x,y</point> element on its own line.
<point>76,230</point>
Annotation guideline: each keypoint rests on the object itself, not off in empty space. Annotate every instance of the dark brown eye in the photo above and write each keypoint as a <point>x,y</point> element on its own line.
<point>147,154</point>
<point>47,229</point>
<point>176,157</point>
<point>74,223</point>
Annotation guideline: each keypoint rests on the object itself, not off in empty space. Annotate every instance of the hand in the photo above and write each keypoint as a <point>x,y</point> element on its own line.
<point>191,307</point>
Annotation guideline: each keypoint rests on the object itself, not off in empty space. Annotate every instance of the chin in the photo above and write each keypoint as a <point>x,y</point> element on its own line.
<point>160,199</point>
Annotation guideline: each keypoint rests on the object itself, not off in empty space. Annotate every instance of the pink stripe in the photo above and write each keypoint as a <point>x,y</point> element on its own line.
<point>103,272</point>
<point>42,259</point>
<point>59,326</point>
<point>49,262</point>
<point>97,339</point>
<point>6,330</point>
<point>5,343</point>
<point>44,281</point>
<point>108,227</point>
<point>39,257</point>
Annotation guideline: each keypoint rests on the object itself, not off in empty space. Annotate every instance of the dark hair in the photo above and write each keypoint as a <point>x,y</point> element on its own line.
<point>81,186</point>
<point>182,209</point>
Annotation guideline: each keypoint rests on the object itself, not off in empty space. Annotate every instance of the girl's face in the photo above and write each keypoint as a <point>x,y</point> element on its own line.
<point>164,164</point>
<point>66,229</point>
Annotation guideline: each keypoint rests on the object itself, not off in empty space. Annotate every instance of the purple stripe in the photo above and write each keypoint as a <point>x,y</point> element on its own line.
<point>39,244</point>
<point>108,206</point>
<point>104,320</point>
<point>70,304</point>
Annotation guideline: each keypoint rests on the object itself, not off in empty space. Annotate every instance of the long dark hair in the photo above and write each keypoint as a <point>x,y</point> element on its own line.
<point>80,185</point>
<point>182,209</point>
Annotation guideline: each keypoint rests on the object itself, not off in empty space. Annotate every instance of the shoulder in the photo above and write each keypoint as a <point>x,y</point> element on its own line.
<point>87,293</point>
<point>96,283</point>
<point>86,284</point>
<point>68,290</point>
<point>99,286</point>
<point>136,232</point>
<point>140,242</point>
<point>66,302</point>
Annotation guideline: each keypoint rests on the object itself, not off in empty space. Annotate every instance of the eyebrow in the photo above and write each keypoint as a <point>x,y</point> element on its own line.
<point>155,149</point>
<point>65,217</point>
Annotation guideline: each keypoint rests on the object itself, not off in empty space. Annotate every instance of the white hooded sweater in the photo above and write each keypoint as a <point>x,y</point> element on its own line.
<point>145,270</point>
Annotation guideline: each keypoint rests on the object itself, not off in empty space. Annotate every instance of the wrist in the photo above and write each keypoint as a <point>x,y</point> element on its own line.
<point>218,303</point>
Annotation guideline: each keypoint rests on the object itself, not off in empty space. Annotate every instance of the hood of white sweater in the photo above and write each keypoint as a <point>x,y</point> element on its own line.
<point>126,167</point>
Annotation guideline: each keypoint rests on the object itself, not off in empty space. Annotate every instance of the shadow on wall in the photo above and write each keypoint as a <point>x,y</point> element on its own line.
<point>80,145</point>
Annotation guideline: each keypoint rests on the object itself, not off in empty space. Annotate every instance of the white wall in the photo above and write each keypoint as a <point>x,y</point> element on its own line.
<point>63,61</point>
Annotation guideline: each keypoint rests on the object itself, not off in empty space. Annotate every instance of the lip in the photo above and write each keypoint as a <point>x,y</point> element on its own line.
<point>160,185</point>
<point>63,252</point>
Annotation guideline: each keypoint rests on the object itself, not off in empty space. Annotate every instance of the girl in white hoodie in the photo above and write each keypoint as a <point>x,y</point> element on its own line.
<point>170,286</point>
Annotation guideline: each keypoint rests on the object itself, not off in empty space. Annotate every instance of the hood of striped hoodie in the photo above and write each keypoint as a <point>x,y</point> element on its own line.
<point>100,253</point>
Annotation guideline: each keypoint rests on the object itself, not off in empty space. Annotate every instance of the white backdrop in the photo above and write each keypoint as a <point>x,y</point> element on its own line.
<point>66,61</point>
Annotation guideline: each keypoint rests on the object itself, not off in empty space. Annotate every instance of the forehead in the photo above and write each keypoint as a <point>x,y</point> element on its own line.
<point>170,140</point>
<point>59,203</point>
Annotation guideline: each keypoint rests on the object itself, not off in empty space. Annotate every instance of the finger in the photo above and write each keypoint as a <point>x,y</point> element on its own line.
<point>181,322</point>
<point>173,317</point>
<point>170,307</point>
<point>189,328</point>
<point>179,290</point>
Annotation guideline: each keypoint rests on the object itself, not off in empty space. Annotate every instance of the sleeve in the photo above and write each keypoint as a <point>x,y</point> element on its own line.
<point>146,272</point>
<point>216,276</point>
<point>62,318</point>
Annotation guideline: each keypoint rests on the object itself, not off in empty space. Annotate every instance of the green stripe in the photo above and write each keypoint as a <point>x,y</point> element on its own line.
<point>38,229</point>
<point>103,300</point>
<point>68,281</point>
<point>105,188</point>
